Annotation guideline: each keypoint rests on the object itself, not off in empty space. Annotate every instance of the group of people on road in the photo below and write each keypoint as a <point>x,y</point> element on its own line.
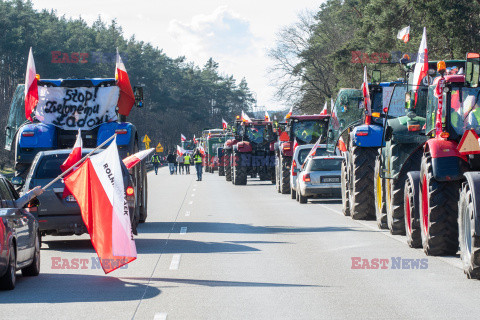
<point>181,163</point>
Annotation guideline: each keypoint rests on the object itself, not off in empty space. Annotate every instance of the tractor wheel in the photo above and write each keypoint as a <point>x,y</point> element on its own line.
<point>239,174</point>
<point>345,191</point>
<point>396,187</point>
<point>362,172</point>
<point>273,179</point>
<point>221,169</point>
<point>144,195</point>
<point>293,194</point>
<point>379,186</point>
<point>411,206</point>
<point>285,175</point>
<point>469,241</point>
<point>277,175</point>
<point>228,167</point>
<point>439,212</point>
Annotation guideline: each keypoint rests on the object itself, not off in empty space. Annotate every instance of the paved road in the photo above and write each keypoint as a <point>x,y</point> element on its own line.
<point>213,250</point>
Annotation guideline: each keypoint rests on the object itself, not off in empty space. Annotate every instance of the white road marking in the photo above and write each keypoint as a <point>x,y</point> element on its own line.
<point>183,230</point>
<point>453,261</point>
<point>160,316</point>
<point>187,214</point>
<point>175,262</point>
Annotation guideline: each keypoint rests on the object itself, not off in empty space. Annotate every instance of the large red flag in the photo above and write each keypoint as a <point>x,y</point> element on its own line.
<point>325,109</point>
<point>421,65</point>
<point>98,188</point>
<point>366,98</point>
<point>31,87</point>
<point>126,99</point>
<point>132,160</point>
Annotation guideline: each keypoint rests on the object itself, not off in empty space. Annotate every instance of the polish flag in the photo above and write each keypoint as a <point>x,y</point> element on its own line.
<point>180,150</point>
<point>31,87</point>
<point>194,139</point>
<point>366,98</point>
<point>421,66</point>
<point>245,117</point>
<point>202,150</point>
<point>267,117</point>
<point>75,155</point>
<point>224,124</point>
<point>126,100</point>
<point>404,34</point>
<point>314,148</point>
<point>295,144</point>
<point>132,160</point>
<point>289,114</point>
<point>325,110</point>
<point>182,137</point>
<point>98,187</point>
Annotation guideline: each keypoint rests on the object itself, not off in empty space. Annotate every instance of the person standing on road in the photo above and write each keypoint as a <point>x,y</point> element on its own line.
<point>187,163</point>
<point>181,161</point>
<point>156,162</point>
<point>198,159</point>
<point>175,164</point>
<point>171,162</point>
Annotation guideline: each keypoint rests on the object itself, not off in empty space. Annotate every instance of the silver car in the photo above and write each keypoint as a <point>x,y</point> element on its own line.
<point>319,176</point>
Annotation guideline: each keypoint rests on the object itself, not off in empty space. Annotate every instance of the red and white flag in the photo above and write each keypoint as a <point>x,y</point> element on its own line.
<point>289,114</point>
<point>180,150</point>
<point>325,109</point>
<point>31,87</point>
<point>295,144</point>
<point>132,160</point>
<point>366,98</point>
<point>202,150</point>
<point>404,34</point>
<point>267,117</point>
<point>224,124</point>
<point>421,66</point>
<point>126,100</point>
<point>75,155</point>
<point>245,117</point>
<point>182,137</point>
<point>194,139</point>
<point>98,187</point>
<point>314,148</point>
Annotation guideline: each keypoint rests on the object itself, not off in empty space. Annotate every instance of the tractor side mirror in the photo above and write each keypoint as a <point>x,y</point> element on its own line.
<point>472,69</point>
<point>376,76</point>
<point>388,133</point>
<point>18,181</point>
<point>138,92</point>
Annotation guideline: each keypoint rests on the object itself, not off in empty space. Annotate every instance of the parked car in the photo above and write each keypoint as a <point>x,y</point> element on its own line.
<point>19,238</point>
<point>319,176</point>
<point>299,156</point>
<point>61,216</point>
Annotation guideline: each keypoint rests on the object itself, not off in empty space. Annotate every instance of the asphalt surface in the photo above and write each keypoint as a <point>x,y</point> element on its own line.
<point>211,250</point>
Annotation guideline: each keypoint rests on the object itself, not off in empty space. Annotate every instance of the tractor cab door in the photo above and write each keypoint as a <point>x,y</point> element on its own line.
<point>347,113</point>
<point>16,116</point>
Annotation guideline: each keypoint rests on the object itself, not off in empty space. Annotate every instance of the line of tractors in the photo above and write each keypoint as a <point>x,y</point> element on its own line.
<point>411,158</point>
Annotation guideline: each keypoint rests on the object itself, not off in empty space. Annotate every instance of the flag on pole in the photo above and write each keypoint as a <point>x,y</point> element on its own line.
<point>31,87</point>
<point>325,109</point>
<point>132,160</point>
<point>366,97</point>
<point>98,187</point>
<point>201,149</point>
<point>421,66</point>
<point>295,144</point>
<point>194,139</point>
<point>126,100</point>
<point>180,150</point>
<point>73,157</point>
<point>224,124</point>
<point>245,117</point>
<point>289,114</point>
<point>182,137</point>
<point>267,116</point>
<point>404,34</point>
<point>314,148</point>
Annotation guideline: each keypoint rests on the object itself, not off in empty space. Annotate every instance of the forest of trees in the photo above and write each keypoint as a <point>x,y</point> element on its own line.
<point>327,50</point>
<point>180,97</point>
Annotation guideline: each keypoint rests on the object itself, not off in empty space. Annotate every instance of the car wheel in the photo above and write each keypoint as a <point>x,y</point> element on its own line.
<point>293,194</point>
<point>34,269</point>
<point>301,198</point>
<point>9,279</point>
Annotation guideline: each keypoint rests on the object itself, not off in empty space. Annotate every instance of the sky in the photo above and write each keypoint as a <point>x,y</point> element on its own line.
<point>237,34</point>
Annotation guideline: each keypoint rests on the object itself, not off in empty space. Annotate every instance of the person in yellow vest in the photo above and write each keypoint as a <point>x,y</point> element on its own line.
<point>187,163</point>
<point>198,160</point>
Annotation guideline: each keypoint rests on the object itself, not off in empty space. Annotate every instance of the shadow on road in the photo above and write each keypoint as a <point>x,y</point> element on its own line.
<point>217,283</point>
<point>325,201</point>
<point>67,288</point>
<point>222,227</point>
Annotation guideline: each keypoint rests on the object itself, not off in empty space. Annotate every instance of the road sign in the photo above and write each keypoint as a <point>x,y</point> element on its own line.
<point>147,141</point>
<point>159,148</point>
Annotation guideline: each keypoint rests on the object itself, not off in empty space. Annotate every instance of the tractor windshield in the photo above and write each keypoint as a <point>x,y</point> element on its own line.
<point>255,134</point>
<point>188,145</point>
<point>309,131</point>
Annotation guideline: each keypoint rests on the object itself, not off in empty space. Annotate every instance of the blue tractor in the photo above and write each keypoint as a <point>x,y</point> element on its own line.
<point>26,138</point>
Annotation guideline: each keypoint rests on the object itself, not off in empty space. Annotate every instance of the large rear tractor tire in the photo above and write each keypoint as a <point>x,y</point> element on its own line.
<point>379,186</point>
<point>144,195</point>
<point>362,206</point>
<point>412,210</point>
<point>228,167</point>
<point>285,164</point>
<point>221,167</point>
<point>468,239</point>
<point>240,173</point>
<point>345,191</point>
<point>439,212</point>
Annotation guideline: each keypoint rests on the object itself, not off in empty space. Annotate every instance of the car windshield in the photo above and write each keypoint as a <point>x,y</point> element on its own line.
<point>325,165</point>
<point>255,133</point>
<point>188,145</point>
<point>303,153</point>
<point>49,166</point>
<point>309,131</point>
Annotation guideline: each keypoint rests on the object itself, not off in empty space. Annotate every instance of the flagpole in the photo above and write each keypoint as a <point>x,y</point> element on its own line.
<point>78,162</point>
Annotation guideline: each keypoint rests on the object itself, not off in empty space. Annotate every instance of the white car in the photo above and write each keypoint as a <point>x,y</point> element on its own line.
<point>320,175</point>
<point>299,157</point>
